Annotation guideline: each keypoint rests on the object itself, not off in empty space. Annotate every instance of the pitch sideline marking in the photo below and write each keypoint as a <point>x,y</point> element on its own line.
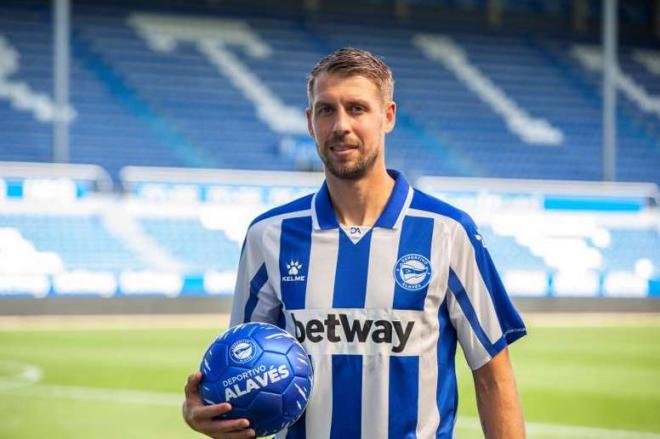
<point>14,374</point>
<point>558,430</point>
<point>26,380</point>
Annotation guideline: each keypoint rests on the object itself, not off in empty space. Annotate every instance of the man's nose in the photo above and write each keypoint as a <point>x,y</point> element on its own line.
<point>342,123</point>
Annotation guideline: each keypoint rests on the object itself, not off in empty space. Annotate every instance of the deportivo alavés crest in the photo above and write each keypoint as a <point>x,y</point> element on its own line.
<point>412,272</point>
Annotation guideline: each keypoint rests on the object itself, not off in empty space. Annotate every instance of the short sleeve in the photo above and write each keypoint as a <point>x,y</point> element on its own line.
<point>254,298</point>
<point>479,307</point>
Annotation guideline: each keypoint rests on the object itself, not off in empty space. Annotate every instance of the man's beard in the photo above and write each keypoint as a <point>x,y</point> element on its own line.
<point>353,170</point>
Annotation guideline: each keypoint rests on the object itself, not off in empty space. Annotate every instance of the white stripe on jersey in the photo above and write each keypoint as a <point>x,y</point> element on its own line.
<point>323,255</point>
<point>428,416</point>
<point>319,410</point>
<point>380,287</point>
<point>376,384</point>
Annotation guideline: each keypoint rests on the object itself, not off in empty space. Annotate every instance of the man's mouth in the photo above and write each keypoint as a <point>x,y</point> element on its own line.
<point>339,147</point>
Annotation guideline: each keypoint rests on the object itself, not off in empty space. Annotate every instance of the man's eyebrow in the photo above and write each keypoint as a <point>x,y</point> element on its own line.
<point>359,101</point>
<point>322,104</point>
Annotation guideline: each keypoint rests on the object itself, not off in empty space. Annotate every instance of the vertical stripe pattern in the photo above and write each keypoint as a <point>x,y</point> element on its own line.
<point>380,281</point>
<point>352,272</point>
<point>295,244</point>
<point>447,390</point>
<point>403,398</point>
<point>323,254</point>
<point>258,281</point>
<point>381,317</point>
<point>416,238</point>
<point>346,411</point>
<point>375,384</point>
<point>319,410</point>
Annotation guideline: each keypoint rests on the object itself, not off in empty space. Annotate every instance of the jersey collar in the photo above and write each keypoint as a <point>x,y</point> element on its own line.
<point>324,217</point>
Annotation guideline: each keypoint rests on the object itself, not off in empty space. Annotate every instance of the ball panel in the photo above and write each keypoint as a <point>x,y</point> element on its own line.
<point>209,392</point>
<point>215,354</point>
<point>296,397</point>
<point>300,362</point>
<point>266,414</point>
<point>273,339</point>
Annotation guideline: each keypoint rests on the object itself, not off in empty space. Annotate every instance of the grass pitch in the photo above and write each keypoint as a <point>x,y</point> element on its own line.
<point>585,381</point>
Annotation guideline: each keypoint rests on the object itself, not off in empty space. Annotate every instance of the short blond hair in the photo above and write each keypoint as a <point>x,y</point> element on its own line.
<point>349,62</point>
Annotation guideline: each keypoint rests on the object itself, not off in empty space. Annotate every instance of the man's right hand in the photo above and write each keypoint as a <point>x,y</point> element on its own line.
<point>200,417</point>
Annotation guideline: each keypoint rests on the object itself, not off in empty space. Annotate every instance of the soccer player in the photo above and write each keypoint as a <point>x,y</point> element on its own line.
<point>378,281</point>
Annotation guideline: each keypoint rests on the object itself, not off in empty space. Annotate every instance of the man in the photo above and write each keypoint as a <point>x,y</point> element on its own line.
<point>387,279</point>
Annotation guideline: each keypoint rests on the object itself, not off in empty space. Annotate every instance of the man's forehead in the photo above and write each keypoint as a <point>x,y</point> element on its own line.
<point>330,85</point>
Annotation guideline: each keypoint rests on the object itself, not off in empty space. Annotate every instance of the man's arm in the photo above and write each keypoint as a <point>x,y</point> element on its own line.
<point>497,399</point>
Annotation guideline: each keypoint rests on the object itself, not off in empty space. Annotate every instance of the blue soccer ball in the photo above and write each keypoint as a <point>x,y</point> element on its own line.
<point>262,371</point>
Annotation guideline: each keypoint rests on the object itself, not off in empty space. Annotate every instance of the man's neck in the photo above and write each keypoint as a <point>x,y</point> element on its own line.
<point>360,202</point>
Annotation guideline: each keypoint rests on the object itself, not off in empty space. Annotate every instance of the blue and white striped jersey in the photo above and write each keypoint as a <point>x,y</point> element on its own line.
<point>379,315</point>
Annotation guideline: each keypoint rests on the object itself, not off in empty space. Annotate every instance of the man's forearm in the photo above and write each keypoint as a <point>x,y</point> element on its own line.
<point>497,399</point>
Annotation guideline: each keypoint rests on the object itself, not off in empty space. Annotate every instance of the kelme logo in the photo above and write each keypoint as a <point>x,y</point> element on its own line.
<point>412,272</point>
<point>294,271</point>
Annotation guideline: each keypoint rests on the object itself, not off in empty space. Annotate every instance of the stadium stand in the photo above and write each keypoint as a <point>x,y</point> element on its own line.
<point>198,247</point>
<point>229,94</point>
<point>80,242</point>
<point>171,236</point>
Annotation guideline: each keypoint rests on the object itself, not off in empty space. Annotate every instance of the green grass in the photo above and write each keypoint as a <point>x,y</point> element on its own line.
<point>601,377</point>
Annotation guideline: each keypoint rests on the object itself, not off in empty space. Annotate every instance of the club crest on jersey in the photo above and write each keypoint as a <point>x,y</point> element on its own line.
<point>412,272</point>
<point>294,269</point>
<point>242,351</point>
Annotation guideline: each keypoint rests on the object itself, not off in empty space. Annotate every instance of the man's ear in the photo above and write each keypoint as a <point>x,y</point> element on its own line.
<point>390,116</point>
<point>308,115</point>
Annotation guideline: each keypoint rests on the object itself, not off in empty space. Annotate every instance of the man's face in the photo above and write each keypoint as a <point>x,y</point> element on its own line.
<point>348,119</point>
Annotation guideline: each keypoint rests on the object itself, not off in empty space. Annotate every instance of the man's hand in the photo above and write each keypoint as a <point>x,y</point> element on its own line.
<point>497,399</point>
<point>200,417</point>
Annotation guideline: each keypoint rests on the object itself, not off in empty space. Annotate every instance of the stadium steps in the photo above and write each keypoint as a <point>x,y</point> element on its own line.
<point>186,153</point>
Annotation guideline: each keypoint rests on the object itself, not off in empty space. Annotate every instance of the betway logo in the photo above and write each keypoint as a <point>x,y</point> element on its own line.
<point>337,328</point>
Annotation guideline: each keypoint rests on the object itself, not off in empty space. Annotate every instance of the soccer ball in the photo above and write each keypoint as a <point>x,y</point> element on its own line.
<point>262,371</point>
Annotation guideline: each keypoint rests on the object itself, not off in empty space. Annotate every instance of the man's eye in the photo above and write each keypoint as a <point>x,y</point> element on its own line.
<point>357,109</point>
<point>324,110</point>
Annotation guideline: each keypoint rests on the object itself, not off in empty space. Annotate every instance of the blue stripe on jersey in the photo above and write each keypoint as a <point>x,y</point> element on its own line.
<point>416,238</point>
<point>459,292</point>
<point>447,391</point>
<point>303,203</point>
<point>295,246</point>
<point>258,281</point>
<point>347,396</point>
<point>351,274</point>
<point>404,391</point>
<point>510,322</point>
<point>325,214</point>
<point>396,201</point>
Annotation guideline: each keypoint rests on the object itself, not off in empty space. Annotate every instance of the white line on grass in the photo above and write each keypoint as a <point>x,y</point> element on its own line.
<point>23,379</point>
<point>568,431</point>
<point>14,374</point>
<point>105,395</point>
